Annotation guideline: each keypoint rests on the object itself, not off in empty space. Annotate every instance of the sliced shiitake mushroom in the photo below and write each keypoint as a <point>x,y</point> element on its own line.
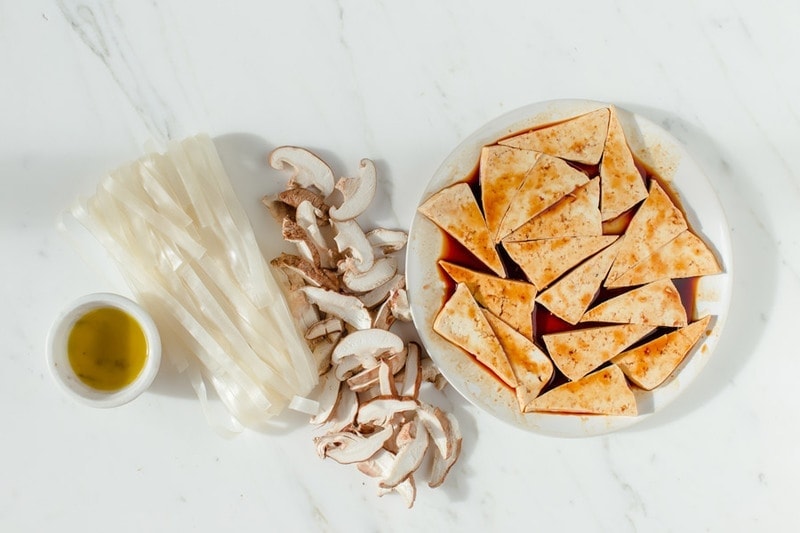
<point>309,170</point>
<point>357,192</point>
<point>369,405</point>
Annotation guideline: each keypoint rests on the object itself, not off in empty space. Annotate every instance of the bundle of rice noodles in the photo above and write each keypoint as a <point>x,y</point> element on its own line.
<point>175,228</point>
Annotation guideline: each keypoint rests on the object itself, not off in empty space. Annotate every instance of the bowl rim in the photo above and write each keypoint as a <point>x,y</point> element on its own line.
<point>64,375</point>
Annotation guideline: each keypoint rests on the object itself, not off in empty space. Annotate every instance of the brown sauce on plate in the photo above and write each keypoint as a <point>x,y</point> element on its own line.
<point>543,321</point>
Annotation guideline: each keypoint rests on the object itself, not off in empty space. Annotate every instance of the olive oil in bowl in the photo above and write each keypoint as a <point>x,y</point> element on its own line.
<point>104,350</point>
<point>107,349</point>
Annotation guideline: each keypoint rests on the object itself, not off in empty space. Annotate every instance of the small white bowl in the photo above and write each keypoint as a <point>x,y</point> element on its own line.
<point>61,369</point>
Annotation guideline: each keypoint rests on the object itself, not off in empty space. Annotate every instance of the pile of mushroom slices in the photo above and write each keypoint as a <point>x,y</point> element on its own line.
<point>345,291</point>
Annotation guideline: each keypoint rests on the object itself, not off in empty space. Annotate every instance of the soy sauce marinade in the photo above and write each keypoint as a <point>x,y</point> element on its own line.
<point>543,321</point>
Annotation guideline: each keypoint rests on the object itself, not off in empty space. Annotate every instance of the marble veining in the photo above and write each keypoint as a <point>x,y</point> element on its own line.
<point>103,32</point>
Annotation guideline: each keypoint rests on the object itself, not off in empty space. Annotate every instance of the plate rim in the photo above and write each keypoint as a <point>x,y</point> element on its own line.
<point>677,164</point>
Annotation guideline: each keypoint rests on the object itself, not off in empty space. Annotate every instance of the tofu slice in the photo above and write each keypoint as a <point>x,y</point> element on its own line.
<point>578,352</point>
<point>576,214</point>
<point>604,392</point>
<point>548,181</point>
<point>572,295</point>
<point>650,364</point>
<point>580,139</point>
<point>531,366</point>
<point>455,210</point>
<point>543,261</point>
<point>511,300</point>
<point>657,222</point>
<point>655,304</point>
<point>462,322</point>
<point>685,256</point>
<point>621,184</point>
<point>502,171</point>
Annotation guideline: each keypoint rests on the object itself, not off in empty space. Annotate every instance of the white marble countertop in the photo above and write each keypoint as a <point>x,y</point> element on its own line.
<point>84,87</point>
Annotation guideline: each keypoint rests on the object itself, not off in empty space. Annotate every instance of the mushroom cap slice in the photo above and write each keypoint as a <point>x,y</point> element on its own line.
<point>351,240</point>
<point>367,344</point>
<point>382,408</point>
<point>323,348</point>
<point>576,214</point>
<point>656,222</point>
<point>384,318</point>
<point>622,185</point>
<point>357,192</point>
<point>295,197</point>
<point>578,352</point>
<point>382,271</point>
<point>306,218</point>
<point>462,322</point>
<point>655,304</point>
<point>399,305</point>
<point>386,383</point>
<point>502,170</point>
<point>685,256</point>
<point>378,467</point>
<point>433,419</point>
<point>572,295</point>
<point>324,327</point>
<point>328,398</point>
<point>511,300</point>
<point>604,392</point>
<point>344,415</point>
<point>347,447</point>
<point>580,139</point>
<point>309,170</point>
<point>650,364</point>
<point>532,368</point>
<point>311,273</point>
<point>379,294</point>
<point>408,458</point>
<point>455,210</point>
<point>412,373</point>
<point>294,232</point>
<point>387,240</point>
<point>441,465</point>
<point>547,182</point>
<point>370,376</point>
<point>543,261</point>
<point>348,308</point>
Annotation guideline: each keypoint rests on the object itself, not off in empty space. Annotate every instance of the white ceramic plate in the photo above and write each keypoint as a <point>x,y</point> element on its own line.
<point>426,287</point>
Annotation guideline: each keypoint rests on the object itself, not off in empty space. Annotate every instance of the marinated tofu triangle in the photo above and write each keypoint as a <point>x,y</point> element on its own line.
<point>685,256</point>
<point>547,182</point>
<point>543,261</point>
<point>657,221</point>
<point>455,210</point>
<point>578,352</point>
<point>575,214</point>
<point>462,322</point>
<point>621,184</point>
<point>532,368</point>
<point>580,139</point>
<point>511,300</point>
<point>572,295</point>
<point>604,392</point>
<point>655,304</point>
<point>650,364</point>
<point>502,170</point>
